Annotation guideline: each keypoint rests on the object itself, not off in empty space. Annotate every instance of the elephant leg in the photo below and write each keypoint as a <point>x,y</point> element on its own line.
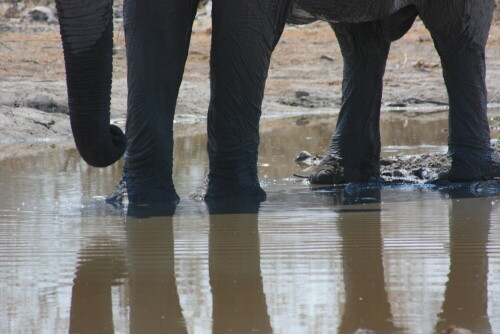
<point>157,36</point>
<point>354,154</point>
<point>460,38</point>
<point>244,35</point>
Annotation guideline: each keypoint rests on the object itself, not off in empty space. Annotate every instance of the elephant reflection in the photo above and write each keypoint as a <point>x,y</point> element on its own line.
<point>367,304</point>
<point>101,265</point>
<point>239,303</point>
<point>366,299</point>
<point>238,299</point>
<point>466,296</point>
<point>154,301</point>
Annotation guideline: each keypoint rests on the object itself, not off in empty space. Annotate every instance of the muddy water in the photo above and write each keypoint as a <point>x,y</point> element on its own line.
<point>397,260</point>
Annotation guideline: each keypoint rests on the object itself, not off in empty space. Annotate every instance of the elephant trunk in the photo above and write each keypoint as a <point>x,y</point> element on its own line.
<point>87,34</point>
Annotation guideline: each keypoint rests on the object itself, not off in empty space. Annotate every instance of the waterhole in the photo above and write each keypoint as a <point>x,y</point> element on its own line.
<point>394,260</point>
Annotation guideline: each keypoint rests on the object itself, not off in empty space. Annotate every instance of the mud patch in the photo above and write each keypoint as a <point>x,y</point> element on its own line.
<point>395,170</point>
<point>414,169</point>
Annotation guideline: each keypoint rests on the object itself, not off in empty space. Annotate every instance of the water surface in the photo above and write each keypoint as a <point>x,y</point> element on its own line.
<point>396,260</point>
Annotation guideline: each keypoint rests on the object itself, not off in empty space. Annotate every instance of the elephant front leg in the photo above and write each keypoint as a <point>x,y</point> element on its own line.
<point>243,37</point>
<point>157,36</point>
<point>354,154</point>
<point>460,40</point>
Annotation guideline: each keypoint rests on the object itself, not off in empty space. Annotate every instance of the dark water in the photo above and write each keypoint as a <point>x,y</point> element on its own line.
<point>305,261</point>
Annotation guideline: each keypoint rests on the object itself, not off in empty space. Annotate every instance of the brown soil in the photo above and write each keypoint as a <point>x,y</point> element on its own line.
<point>305,77</point>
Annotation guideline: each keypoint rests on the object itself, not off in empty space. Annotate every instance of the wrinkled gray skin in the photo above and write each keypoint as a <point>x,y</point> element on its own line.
<point>243,37</point>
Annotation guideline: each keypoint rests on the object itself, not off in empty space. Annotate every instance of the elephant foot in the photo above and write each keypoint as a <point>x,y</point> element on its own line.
<point>126,194</point>
<point>331,170</point>
<point>473,166</point>
<point>219,188</point>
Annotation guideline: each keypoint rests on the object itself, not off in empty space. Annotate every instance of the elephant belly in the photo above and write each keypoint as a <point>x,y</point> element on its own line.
<point>306,11</point>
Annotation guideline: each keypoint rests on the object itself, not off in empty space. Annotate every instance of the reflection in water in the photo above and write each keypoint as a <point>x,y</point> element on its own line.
<point>366,299</point>
<point>366,304</point>
<point>466,296</point>
<point>154,300</point>
<point>239,303</point>
<point>100,265</point>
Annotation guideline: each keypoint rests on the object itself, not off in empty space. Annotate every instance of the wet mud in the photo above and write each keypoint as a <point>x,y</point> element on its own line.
<point>414,169</point>
<point>421,170</point>
<point>428,170</point>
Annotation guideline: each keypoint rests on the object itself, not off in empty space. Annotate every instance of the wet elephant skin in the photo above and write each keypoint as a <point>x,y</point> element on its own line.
<point>244,35</point>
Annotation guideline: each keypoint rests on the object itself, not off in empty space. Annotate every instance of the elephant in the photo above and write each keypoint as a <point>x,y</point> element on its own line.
<point>244,35</point>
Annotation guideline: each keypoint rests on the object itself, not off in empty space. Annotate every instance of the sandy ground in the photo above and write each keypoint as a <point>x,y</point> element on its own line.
<point>305,78</point>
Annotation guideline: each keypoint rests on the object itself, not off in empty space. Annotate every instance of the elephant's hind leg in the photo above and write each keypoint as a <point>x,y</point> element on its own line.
<point>460,38</point>
<point>244,35</point>
<point>354,154</point>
